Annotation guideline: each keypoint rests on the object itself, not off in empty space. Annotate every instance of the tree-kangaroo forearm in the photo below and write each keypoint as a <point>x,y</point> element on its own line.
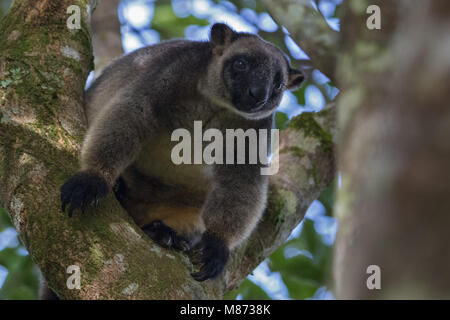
<point>114,140</point>
<point>235,204</point>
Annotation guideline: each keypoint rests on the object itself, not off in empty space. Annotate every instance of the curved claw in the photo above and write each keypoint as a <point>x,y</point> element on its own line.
<point>215,255</point>
<point>166,236</point>
<point>81,190</point>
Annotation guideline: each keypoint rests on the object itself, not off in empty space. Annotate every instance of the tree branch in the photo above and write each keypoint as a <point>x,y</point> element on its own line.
<point>309,29</point>
<point>107,40</point>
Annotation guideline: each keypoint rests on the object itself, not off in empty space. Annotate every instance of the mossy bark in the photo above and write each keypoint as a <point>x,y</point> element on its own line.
<point>43,68</point>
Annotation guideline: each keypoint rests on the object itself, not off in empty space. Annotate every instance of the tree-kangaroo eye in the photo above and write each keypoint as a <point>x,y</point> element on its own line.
<point>240,65</point>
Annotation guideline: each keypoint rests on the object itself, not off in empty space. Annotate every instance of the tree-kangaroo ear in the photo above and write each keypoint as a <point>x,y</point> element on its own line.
<point>221,36</point>
<point>295,79</point>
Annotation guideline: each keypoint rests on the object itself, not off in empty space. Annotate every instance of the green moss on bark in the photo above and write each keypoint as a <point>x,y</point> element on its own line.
<point>311,128</point>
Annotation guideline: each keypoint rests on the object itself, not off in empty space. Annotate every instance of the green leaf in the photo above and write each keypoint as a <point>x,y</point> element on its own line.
<point>327,198</point>
<point>22,279</point>
<point>251,291</point>
<point>281,120</point>
<point>301,267</point>
<point>5,221</point>
<point>299,288</point>
<point>300,93</point>
<point>169,25</point>
<point>312,270</point>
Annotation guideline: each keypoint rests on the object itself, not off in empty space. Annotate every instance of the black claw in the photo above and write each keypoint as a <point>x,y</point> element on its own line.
<point>81,190</point>
<point>214,257</point>
<point>196,258</point>
<point>166,236</point>
<point>167,241</point>
<point>183,245</point>
<point>198,276</point>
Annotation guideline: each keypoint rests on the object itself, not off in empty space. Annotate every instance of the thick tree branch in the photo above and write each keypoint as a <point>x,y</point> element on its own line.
<point>106,39</point>
<point>43,67</point>
<point>310,30</point>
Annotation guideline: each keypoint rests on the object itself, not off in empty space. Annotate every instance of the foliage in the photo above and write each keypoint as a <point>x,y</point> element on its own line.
<point>21,281</point>
<point>168,25</point>
<point>303,262</point>
<point>248,290</point>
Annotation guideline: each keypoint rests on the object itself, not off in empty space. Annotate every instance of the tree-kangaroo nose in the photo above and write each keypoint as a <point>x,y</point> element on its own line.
<point>258,93</point>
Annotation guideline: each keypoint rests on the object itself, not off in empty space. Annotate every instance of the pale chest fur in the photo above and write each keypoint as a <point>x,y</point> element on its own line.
<point>155,161</point>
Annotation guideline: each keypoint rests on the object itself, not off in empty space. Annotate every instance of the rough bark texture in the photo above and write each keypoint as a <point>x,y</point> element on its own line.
<point>43,68</point>
<point>309,29</point>
<point>393,206</point>
<point>106,38</point>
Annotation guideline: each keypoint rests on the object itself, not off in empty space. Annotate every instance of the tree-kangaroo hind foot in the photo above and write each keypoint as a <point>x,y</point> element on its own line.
<point>165,236</point>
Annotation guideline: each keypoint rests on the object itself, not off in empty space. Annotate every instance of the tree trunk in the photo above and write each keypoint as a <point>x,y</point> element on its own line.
<point>43,68</point>
<point>393,205</point>
<point>106,39</point>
